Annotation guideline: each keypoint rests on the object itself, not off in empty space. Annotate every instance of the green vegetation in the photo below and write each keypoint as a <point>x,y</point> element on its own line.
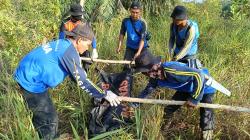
<point>224,48</point>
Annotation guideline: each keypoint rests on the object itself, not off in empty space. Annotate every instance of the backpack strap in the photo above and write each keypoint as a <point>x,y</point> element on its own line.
<point>133,25</point>
<point>188,28</point>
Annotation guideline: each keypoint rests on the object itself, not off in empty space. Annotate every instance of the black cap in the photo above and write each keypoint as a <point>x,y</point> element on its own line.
<point>76,10</point>
<point>145,61</point>
<point>83,30</point>
<point>135,5</point>
<point>179,12</point>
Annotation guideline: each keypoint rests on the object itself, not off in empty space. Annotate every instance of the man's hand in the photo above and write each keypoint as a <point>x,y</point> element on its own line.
<point>112,98</point>
<point>118,50</point>
<point>189,104</point>
<point>174,59</point>
<point>136,55</point>
<point>94,54</point>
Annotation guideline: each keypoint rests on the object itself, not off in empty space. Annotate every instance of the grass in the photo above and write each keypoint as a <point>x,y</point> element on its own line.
<point>224,48</point>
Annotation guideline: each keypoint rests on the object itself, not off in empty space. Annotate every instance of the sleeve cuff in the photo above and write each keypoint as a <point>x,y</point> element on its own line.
<point>194,101</point>
<point>94,43</point>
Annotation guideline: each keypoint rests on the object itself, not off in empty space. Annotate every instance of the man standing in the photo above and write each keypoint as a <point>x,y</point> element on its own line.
<point>189,83</point>
<point>135,27</point>
<point>183,41</point>
<point>47,66</point>
<point>76,17</point>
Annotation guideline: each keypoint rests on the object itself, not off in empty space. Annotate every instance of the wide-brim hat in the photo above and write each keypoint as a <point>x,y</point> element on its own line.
<point>76,10</point>
<point>179,12</point>
<point>145,61</point>
<point>82,30</point>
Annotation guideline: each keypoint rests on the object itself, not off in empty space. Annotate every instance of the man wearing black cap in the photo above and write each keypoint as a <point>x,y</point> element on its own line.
<point>184,34</point>
<point>46,67</point>
<point>188,82</point>
<point>76,12</point>
<point>135,27</point>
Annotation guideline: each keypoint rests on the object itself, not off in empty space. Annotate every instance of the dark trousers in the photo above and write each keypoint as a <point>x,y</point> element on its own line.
<point>45,119</point>
<point>130,54</point>
<point>86,64</point>
<point>206,114</point>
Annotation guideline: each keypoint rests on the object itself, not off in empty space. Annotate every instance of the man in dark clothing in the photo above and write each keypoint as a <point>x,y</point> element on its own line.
<point>76,14</point>
<point>190,84</point>
<point>136,28</point>
<point>46,67</point>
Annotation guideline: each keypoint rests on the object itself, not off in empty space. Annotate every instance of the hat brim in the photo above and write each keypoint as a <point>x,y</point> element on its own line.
<point>179,17</point>
<point>156,60</point>
<point>142,69</point>
<point>76,13</point>
<point>68,33</point>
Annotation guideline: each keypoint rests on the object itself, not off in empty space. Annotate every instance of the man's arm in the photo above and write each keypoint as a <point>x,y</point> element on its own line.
<point>71,62</point>
<point>143,36</point>
<point>187,44</point>
<point>61,32</point>
<point>171,41</point>
<point>121,36</point>
<point>94,39</point>
<point>120,42</point>
<point>141,45</point>
<point>151,86</point>
<point>94,51</point>
<point>94,43</point>
<point>193,77</point>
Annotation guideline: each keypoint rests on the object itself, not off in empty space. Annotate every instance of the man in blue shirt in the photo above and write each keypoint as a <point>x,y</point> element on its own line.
<point>189,83</point>
<point>135,27</point>
<point>76,14</point>
<point>183,41</point>
<point>46,67</point>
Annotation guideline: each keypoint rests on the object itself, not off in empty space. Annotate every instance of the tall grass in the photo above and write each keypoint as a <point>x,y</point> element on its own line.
<point>224,48</point>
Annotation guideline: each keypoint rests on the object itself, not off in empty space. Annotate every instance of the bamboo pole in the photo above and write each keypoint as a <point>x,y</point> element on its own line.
<point>108,61</point>
<point>172,102</point>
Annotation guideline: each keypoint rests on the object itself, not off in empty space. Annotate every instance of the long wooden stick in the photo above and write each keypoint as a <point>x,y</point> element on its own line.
<point>172,102</point>
<point>107,61</point>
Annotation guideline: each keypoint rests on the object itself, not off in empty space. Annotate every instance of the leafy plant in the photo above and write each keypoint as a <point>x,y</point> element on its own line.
<point>236,9</point>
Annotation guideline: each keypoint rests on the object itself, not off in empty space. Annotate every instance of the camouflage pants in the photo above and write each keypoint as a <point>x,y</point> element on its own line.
<point>45,119</point>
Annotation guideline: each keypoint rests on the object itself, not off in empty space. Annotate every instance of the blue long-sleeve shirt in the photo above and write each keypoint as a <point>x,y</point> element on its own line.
<point>182,78</point>
<point>184,40</point>
<point>47,66</point>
